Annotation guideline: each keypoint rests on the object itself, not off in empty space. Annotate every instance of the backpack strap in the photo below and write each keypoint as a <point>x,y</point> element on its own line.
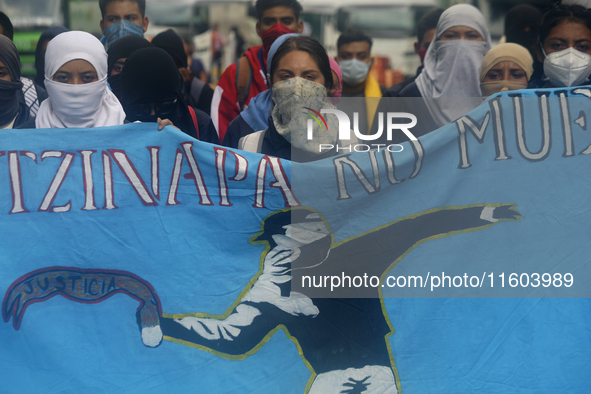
<point>194,116</point>
<point>243,80</point>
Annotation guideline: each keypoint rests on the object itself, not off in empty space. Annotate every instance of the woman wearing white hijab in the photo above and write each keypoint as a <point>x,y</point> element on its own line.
<point>451,69</point>
<point>76,82</point>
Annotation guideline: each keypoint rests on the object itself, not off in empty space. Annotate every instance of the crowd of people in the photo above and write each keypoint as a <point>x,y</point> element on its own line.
<point>86,82</point>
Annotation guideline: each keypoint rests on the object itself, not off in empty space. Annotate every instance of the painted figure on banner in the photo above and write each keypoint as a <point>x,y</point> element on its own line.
<point>343,341</point>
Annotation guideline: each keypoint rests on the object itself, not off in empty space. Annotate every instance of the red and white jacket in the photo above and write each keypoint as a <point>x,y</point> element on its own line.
<point>224,105</point>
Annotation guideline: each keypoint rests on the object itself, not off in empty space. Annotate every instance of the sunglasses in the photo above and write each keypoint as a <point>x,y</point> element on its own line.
<point>163,109</point>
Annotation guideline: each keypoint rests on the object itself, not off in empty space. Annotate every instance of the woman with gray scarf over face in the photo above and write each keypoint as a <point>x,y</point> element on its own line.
<point>450,79</point>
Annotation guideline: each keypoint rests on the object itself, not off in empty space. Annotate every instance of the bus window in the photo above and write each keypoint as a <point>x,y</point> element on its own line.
<point>395,21</point>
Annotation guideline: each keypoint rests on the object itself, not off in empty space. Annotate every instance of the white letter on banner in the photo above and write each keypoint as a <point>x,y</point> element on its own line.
<point>174,179</point>
<point>498,129</point>
<point>108,177</point>
<point>155,160</point>
<point>478,132</point>
<point>390,167</point>
<point>359,174</point>
<point>241,167</point>
<point>520,131</point>
<point>280,182</point>
<point>55,185</point>
<point>196,174</point>
<point>569,146</point>
<point>404,127</point>
<point>134,178</point>
<point>344,123</point>
<point>88,180</point>
<point>220,163</point>
<point>14,169</point>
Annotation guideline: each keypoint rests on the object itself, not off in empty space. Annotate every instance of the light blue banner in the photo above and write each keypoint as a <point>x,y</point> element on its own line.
<point>142,261</point>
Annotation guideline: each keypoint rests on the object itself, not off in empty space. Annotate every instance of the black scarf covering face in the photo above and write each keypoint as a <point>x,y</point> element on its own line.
<point>8,90</point>
<point>122,49</point>
<point>150,78</point>
<point>172,43</point>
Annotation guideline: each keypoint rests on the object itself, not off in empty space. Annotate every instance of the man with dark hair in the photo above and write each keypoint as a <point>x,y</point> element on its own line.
<point>425,34</point>
<point>247,77</point>
<point>6,28</point>
<point>122,18</point>
<point>354,58</point>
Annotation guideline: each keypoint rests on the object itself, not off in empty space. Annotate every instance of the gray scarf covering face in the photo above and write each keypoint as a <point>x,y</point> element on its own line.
<point>452,68</point>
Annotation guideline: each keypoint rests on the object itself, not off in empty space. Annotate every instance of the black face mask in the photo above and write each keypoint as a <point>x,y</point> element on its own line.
<point>9,101</point>
<point>115,84</point>
<point>168,109</point>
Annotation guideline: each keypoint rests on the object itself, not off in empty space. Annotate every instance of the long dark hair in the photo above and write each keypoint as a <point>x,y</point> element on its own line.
<point>313,48</point>
<point>563,13</point>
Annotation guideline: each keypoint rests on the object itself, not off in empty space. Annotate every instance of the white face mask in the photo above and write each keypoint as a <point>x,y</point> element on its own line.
<point>76,105</point>
<point>354,71</point>
<point>568,67</point>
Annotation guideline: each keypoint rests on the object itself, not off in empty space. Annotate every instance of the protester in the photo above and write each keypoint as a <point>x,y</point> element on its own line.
<point>76,81</point>
<point>197,93</point>
<point>151,92</point>
<point>354,58</point>
<point>122,18</point>
<point>218,42</point>
<point>256,116</point>
<point>300,70</point>
<point>117,55</point>
<point>425,34</point>
<point>505,67</point>
<point>13,112</point>
<point>246,78</point>
<point>195,64</point>
<point>31,93</point>
<point>451,70</point>
<point>564,47</point>
<point>6,28</point>
<point>45,37</point>
<point>522,26</point>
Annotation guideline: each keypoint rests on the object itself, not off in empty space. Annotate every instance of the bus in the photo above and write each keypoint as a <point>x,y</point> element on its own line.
<point>31,17</point>
<point>390,23</point>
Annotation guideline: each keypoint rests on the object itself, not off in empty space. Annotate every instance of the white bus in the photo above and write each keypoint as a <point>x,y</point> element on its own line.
<point>390,23</point>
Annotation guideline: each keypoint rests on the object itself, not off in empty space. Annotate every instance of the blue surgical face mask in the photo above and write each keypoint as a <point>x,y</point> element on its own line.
<point>354,71</point>
<point>119,30</point>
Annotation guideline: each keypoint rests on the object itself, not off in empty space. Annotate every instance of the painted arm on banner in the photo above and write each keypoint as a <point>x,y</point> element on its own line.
<point>389,243</point>
<point>266,305</point>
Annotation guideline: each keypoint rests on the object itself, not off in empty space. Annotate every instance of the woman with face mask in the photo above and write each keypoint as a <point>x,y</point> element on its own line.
<point>76,82</point>
<point>301,77</point>
<point>505,67</point>
<point>450,79</point>
<point>151,91</point>
<point>256,116</point>
<point>564,47</point>
<point>118,54</point>
<point>13,112</point>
